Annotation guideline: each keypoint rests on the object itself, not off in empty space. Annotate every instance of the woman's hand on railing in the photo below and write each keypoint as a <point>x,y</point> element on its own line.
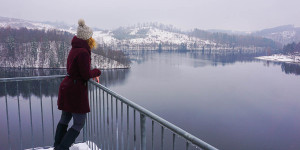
<point>96,79</point>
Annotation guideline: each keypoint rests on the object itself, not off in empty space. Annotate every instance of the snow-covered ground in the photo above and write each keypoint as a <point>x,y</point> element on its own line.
<point>79,146</point>
<point>150,38</point>
<point>281,58</point>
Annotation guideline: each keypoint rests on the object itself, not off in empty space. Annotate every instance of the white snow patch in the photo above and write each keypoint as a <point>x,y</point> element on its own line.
<point>79,146</point>
<point>104,37</point>
<point>281,58</point>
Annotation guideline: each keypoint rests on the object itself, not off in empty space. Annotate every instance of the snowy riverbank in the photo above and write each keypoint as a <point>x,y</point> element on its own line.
<point>281,58</point>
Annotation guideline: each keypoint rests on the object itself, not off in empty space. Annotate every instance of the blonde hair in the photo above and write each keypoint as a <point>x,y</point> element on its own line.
<point>92,43</point>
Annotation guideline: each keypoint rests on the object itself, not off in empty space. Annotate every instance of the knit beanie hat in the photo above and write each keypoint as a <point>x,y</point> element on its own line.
<point>83,31</point>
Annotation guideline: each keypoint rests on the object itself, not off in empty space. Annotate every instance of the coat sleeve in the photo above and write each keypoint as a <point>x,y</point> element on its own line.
<point>85,68</point>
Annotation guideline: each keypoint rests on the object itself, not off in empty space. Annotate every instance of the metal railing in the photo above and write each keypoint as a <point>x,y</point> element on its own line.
<point>18,140</point>
<point>112,123</point>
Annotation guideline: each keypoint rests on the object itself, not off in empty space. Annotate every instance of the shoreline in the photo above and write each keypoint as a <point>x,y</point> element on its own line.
<point>61,68</point>
<point>281,58</point>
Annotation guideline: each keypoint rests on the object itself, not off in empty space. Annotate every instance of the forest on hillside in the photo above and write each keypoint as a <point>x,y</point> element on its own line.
<point>292,48</point>
<point>236,40</point>
<point>29,48</point>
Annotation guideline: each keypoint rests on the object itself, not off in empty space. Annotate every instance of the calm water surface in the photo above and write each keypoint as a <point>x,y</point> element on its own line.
<point>230,101</point>
<point>245,104</point>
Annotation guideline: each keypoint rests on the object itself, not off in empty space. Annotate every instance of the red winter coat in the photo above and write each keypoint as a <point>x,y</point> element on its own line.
<point>73,90</point>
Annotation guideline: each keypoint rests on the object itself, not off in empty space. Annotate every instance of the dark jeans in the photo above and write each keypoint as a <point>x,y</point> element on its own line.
<point>78,119</point>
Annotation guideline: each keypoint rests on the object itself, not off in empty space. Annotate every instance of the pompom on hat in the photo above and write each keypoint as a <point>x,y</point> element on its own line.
<point>83,31</point>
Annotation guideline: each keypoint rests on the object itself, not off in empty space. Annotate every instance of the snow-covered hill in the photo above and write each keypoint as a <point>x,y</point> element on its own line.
<point>19,23</point>
<point>148,38</point>
<point>283,34</point>
<point>23,52</point>
<point>141,37</point>
<point>151,37</point>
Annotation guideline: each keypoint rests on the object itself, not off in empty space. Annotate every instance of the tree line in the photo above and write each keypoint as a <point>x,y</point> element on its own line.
<point>36,46</point>
<point>116,55</point>
<point>24,35</point>
<point>236,40</point>
<point>291,48</point>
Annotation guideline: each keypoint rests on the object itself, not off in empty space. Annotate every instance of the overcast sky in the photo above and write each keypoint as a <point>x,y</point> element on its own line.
<point>243,15</point>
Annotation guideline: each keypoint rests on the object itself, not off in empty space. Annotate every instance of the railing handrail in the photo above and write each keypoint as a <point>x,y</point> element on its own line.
<point>196,141</point>
<point>30,78</point>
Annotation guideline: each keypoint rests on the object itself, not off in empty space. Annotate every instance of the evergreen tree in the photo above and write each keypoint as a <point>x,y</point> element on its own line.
<point>159,47</point>
<point>11,46</point>
<point>183,47</point>
<point>61,54</point>
<point>34,50</point>
<point>45,48</point>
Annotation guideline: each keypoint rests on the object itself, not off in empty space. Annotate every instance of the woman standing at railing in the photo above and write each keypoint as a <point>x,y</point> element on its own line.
<point>73,91</point>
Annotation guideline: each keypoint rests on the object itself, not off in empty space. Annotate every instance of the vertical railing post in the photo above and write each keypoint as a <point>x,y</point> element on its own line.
<point>83,133</point>
<point>7,117</point>
<point>52,112</point>
<point>127,127</point>
<point>85,127</point>
<point>187,145</point>
<point>117,124</point>
<point>94,119</point>
<point>87,120</point>
<point>97,117</point>
<point>103,110</point>
<point>30,109</point>
<point>20,122</point>
<point>143,131</point>
<point>173,143</point>
<point>162,138</point>
<point>122,134</point>
<point>112,122</point>
<point>100,126</point>
<point>107,113</point>
<point>42,114</point>
<point>152,136</point>
<point>134,129</point>
<point>89,116</point>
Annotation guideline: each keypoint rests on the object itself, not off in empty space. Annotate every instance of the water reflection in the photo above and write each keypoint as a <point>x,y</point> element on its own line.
<point>25,89</point>
<point>21,72</point>
<point>49,87</point>
<point>30,88</point>
<point>287,68</point>
<point>113,76</point>
<point>214,58</point>
<point>290,68</point>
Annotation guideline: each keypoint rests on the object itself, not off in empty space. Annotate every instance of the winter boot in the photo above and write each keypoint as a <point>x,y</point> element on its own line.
<point>68,139</point>
<point>61,130</point>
